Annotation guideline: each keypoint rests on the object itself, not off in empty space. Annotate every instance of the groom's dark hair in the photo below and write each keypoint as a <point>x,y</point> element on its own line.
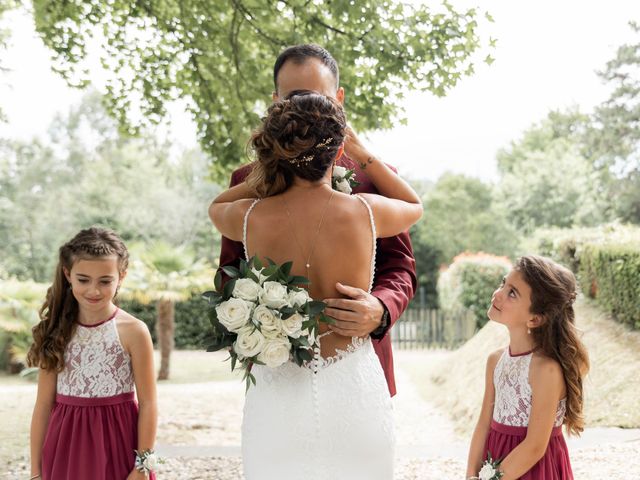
<point>299,54</point>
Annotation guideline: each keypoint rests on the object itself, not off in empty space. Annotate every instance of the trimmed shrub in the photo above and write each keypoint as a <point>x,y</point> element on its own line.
<point>192,320</point>
<point>469,282</point>
<point>610,273</point>
<point>606,261</point>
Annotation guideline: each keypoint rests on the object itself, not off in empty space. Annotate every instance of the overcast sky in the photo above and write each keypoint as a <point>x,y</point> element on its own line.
<point>546,57</point>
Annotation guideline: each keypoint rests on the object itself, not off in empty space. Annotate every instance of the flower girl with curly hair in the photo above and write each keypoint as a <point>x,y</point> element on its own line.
<point>93,358</point>
<point>535,385</point>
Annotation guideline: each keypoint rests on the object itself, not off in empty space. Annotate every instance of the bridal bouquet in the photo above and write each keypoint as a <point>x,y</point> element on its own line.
<point>262,316</point>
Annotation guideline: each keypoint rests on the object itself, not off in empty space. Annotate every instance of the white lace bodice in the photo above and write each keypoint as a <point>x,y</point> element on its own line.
<point>513,391</point>
<point>95,363</point>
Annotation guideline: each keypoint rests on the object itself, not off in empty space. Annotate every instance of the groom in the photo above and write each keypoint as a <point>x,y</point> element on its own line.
<point>311,67</point>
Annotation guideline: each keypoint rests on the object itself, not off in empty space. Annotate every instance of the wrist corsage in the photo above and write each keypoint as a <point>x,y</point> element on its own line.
<point>343,179</point>
<point>489,470</point>
<point>147,461</point>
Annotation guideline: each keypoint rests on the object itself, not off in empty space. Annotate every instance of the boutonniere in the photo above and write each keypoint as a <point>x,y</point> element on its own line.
<point>343,179</point>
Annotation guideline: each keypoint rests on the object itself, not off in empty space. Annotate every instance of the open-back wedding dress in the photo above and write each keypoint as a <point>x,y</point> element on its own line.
<point>329,420</point>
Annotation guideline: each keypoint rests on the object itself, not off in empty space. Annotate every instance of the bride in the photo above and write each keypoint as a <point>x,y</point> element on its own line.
<point>331,419</point>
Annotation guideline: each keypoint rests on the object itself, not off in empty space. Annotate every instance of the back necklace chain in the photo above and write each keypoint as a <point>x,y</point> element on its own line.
<point>315,238</point>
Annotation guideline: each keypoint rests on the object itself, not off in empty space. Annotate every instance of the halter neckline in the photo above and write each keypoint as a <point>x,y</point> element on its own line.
<point>520,354</point>
<point>92,325</point>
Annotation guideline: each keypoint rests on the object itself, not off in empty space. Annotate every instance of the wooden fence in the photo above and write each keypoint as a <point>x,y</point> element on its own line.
<point>427,328</point>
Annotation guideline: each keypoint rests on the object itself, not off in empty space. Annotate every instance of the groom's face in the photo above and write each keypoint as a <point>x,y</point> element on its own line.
<point>312,75</point>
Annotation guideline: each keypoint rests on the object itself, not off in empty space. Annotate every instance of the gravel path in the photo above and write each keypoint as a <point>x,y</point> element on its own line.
<point>199,435</point>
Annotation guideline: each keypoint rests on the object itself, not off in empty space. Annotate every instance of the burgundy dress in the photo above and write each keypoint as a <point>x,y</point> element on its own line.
<point>511,417</point>
<point>93,428</point>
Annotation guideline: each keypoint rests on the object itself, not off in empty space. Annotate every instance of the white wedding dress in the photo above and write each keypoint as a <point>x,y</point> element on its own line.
<point>329,420</point>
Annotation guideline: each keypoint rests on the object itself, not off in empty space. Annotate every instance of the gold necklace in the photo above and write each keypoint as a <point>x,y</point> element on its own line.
<point>315,238</point>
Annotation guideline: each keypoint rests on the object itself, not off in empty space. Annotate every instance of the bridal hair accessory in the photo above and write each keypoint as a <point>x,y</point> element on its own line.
<point>308,158</point>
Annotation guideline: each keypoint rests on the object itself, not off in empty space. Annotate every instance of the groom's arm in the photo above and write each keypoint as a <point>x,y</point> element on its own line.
<point>395,281</point>
<point>231,252</point>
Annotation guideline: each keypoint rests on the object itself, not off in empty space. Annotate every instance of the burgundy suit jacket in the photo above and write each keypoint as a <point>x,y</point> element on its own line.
<point>395,278</point>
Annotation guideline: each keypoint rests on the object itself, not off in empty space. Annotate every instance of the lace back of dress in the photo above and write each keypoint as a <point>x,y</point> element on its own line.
<point>96,364</point>
<point>244,229</point>
<point>513,391</point>
<point>374,246</point>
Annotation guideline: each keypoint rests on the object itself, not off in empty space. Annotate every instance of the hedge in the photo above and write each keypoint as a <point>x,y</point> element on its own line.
<point>606,261</point>
<point>469,283</point>
<point>192,320</point>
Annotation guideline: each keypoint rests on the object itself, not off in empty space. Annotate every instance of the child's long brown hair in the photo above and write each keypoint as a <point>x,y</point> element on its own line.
<point>59,312</point>
<point>553,291</point>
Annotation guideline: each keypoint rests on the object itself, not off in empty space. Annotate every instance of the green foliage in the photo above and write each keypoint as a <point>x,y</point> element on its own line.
<point>612,274</point>
<point>469,283</point>
<point>5,33</point>
<point>219,56</point>
<point>618,134</point>
<point>460,215</point>
<point>19,305</point>
<point>606,261</point>
<point>192,321</point>
<point>86,174</point>
<point>547,179</point>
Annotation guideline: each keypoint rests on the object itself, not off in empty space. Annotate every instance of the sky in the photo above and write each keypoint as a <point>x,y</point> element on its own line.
<point>546,58</point>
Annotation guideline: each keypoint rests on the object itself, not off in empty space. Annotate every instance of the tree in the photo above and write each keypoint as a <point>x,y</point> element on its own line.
<point>5,6</point>
<point>165,274</point>
<point>219,56</point>
<point>86,173</point>
<point>460,215</point>
<point>547,178</point>
<point>615,138</point>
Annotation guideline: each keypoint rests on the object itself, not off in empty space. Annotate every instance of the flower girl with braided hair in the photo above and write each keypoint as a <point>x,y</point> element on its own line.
<point>535,385</point>
<point>93,358</point>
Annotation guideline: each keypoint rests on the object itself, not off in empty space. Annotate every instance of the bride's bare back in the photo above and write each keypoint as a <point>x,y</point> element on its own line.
<point>343,250</point>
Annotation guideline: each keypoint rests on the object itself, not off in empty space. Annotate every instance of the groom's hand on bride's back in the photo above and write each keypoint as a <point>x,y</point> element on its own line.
<point>355,316</point>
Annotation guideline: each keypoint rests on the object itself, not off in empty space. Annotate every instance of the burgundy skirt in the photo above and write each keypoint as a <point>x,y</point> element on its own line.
<point>91,438</point>
<point>554,465</point>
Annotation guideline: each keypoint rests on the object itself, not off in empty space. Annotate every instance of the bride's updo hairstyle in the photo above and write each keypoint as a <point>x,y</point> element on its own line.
<point>299,137</point>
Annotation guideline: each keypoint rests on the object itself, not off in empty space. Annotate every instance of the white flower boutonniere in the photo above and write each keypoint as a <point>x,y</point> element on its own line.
<point>343,179</point>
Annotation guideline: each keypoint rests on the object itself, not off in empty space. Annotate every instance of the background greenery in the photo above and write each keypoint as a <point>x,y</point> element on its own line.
<point>568,187</point>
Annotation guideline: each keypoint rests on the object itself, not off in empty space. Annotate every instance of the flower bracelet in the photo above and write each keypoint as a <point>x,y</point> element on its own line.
<point>146,461</point>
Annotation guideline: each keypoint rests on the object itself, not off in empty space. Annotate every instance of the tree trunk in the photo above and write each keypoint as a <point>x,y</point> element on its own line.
<point>165,330</point>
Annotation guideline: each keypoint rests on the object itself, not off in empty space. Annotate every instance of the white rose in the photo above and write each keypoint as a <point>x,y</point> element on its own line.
<point>234,313</point>
<point>275,352</point>
<point>339,171</point>
<point>292,326</point>
<point>487,472</point>
<point>299,298</point>
<point>274,295</point>
<point>246,289</point>
<point>250,342</point>
<point>343,186</point>
<point>270,323</point>
<point>151,462</point>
